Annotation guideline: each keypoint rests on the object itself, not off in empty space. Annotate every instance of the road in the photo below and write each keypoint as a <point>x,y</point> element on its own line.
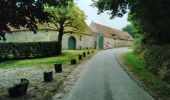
<point>104,79</point>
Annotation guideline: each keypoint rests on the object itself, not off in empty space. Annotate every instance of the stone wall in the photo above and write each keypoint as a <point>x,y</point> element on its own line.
<point>82,41</point>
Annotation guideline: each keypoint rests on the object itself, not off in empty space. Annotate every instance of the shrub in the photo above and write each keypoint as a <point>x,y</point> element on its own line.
<point>138,47</point>
<point>24,50</point>
<point>157,59</point>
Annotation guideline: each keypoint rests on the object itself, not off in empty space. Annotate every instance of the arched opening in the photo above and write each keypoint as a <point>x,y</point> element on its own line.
<point>100,42</point>
<point>95,45</point>
<point>72,43</point>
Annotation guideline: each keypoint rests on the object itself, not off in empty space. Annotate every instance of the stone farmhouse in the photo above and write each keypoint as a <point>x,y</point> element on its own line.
<point>96,36</point>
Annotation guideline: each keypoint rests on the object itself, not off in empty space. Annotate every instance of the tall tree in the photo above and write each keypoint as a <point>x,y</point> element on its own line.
<point>150,17</point>
<point>130,29</point>
<point>66,19</point>
<point>25,13</point>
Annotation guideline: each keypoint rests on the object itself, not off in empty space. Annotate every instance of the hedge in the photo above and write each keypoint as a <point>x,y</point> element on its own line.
<point>15,50</point>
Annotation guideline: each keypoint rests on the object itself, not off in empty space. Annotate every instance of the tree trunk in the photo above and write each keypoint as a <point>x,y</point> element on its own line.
<point>59,42</point>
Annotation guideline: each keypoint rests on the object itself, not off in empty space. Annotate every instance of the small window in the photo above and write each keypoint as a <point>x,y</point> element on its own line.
<point>80,38</point>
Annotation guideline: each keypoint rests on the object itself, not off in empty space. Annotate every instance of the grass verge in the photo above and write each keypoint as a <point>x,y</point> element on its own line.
<point>158,87</point>
<point>66,56</point>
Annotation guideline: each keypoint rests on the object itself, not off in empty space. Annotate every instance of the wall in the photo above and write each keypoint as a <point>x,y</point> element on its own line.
<point>28,36</point>
<point>86,41</point>
<point>108,42</point>
<point>43,35</point>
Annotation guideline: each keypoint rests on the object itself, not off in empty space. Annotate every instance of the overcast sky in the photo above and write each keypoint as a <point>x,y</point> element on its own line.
<point>103,19</point>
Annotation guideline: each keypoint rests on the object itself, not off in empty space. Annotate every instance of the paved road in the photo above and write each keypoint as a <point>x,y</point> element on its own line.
<point>104,79</point>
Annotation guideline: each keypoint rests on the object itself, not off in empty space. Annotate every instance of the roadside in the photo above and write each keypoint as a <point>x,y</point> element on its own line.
<point>69,82</point>
<point>158,89</point>
<point>37,89</point>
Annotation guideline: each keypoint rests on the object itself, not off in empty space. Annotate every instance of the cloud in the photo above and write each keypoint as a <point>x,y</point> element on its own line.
<point>103,18</point>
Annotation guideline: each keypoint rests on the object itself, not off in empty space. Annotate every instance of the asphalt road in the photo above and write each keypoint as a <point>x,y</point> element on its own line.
<point>104,79</point>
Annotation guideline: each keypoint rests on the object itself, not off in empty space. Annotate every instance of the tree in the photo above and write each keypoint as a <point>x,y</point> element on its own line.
<point>151,18</point>
<point>24,13</point>
<point>66,19</point>
<point>130,29</point>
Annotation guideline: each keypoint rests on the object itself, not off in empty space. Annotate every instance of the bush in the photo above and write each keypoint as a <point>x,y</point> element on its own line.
<point>138,47</point>
<point>157,58</point>
<point>24,50</point>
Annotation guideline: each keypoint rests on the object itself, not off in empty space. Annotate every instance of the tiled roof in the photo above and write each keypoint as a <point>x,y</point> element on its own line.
<point>110,32</point>
<point>89,32</point>
<point>40,26</point>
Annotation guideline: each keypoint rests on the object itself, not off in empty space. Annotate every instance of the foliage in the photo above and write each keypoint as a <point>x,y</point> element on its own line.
<point>64,58</point>
<point>149,17</point>
<point>71,18</point>
<point>137,46</point>
<point>25,50</point>
<point>157,86</point>
<point>24,13</point>
<point>66,19</point>
<point>130,29</point>
<point>156,58</point>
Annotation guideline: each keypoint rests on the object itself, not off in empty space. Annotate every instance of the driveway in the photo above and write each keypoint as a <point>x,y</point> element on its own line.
<point>104,79</point>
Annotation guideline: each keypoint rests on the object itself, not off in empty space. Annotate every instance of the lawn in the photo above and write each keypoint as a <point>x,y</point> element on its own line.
<point>157,86</point>
<point>66,56</point>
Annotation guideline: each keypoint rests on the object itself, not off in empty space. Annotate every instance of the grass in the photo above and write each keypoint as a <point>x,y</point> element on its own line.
<point>66,56</point>
<point>157,86</point>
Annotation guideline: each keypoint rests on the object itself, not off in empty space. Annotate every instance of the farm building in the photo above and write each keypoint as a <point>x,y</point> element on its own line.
<point>96,36</point>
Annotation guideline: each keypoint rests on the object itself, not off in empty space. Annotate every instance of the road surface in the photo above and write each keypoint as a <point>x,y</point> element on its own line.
<point>104,79</point>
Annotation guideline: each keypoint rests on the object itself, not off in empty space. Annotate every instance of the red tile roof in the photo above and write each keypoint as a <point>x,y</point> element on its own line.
<point>110,32</point>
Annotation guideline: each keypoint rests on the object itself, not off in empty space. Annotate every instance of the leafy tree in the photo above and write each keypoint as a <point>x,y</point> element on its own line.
<point>66,19</point>
<point>151,18</point>
<point>25,13</point>
<point>130,29</point>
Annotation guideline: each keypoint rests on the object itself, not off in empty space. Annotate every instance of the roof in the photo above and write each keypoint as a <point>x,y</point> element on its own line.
<point>44,26</point>
<point>89,31</point>
<point>40,26</point>
<point>111,32</point>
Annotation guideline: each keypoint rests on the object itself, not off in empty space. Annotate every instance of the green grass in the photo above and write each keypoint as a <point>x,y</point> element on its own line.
<point>66,56</point>
<point>161,88</point>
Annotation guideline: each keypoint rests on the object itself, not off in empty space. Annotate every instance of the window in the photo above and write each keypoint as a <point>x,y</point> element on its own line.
<point>80,38</point>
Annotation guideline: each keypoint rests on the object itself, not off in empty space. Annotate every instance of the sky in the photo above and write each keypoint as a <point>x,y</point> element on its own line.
<point>103,19</point>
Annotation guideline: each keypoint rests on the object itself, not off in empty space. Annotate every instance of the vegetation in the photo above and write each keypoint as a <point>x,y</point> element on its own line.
<point>66,19</point>
<point>159,87</point>
<point>66,56</point>
<point>24,13</point>
<point>149,18</point>
<point>157,60</point>
<point>130,29</point>
<point>16,50</point>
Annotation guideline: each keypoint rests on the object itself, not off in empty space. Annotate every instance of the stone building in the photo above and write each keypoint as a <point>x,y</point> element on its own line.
<point>96,36</point>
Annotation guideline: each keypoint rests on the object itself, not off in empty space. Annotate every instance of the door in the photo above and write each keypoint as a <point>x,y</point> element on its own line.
<point>72,43</point>
<point>100,42</point>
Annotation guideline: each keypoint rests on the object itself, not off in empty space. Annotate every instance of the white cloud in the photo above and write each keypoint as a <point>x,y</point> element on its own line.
<point>103,18</point>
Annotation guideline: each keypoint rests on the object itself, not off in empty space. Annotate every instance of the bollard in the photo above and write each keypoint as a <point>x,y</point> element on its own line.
<point>73,62</point>
<point>84,54</point>
<point>19,89</point>
<point>58,68</point>
<point>80,57</point>
<point>88,52</point>
<point>48,76</point>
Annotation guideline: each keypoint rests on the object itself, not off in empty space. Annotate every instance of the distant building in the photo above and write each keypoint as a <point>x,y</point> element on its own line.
<point>96,36</point>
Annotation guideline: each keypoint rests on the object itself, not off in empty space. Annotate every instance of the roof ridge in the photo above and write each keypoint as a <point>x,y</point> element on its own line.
<point>106,26</point>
